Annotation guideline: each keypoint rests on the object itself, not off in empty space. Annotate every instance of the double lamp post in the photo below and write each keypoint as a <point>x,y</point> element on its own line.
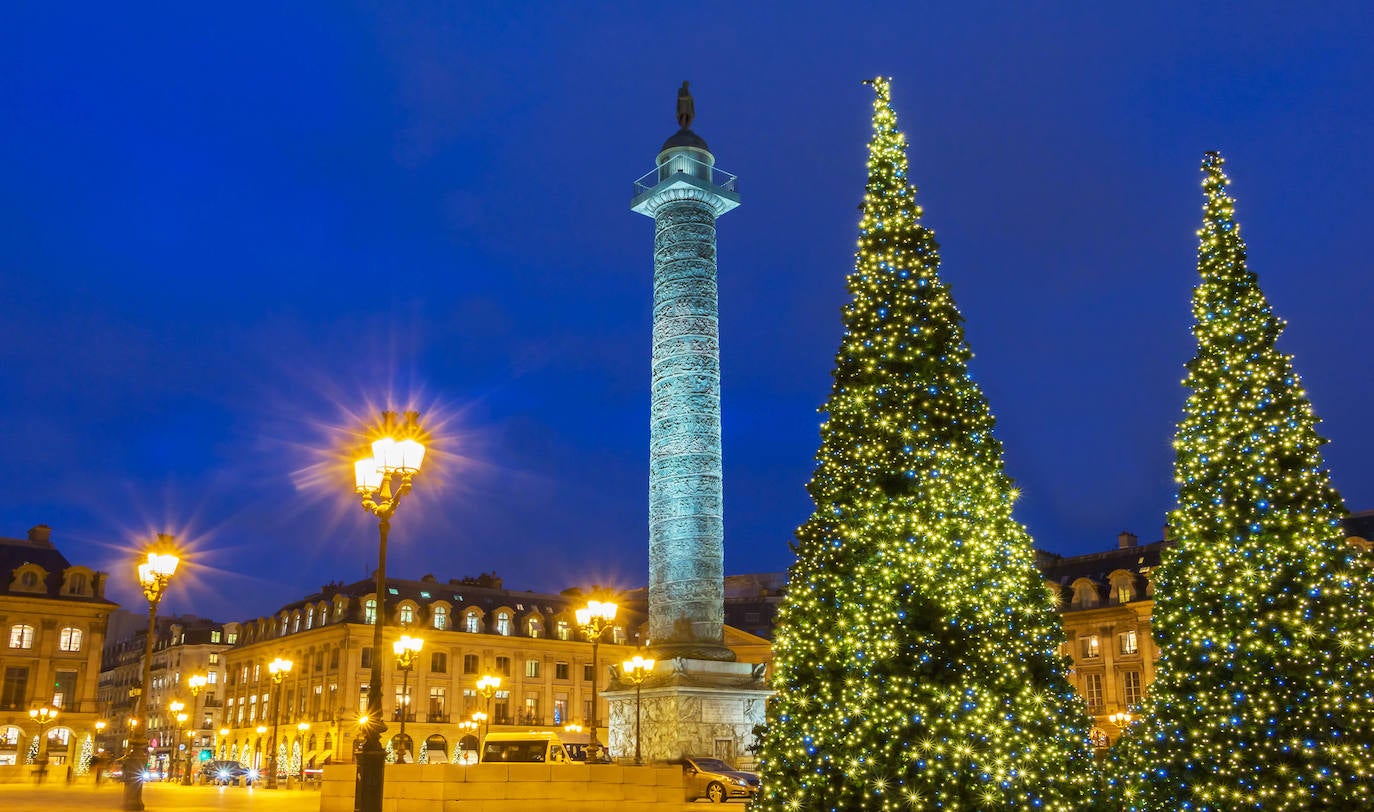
<point>154,574</point>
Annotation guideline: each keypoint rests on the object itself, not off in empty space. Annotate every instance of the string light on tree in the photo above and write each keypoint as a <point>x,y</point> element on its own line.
<point>916,655</point>
<point>1264,692</point>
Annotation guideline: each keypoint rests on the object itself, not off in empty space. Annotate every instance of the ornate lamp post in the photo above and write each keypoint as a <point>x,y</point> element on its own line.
<point>594,619</point>
<point>635,672</point>
<point>380,481</point>
<point>406,650</point>
<point>278,668</point>
<point>478,720</point>
<point>153,575</point>
<point>487,687</point>
<point>44,715</point>
<point>262,731</point>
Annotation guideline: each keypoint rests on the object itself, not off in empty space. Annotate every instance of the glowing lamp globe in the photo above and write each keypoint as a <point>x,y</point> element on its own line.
<point>367,475</point>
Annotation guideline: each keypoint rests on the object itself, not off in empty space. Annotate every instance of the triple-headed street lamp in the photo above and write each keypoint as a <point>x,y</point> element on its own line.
<point>594,619</point>
<point>153,575</point>
<point>635,671</point>
<point>380,481</point>
<point>44,715</point>
<point>406,650</point>
<point>278,668</point>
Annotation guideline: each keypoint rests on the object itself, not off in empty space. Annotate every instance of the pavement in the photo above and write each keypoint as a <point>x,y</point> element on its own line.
<point>58,797</point>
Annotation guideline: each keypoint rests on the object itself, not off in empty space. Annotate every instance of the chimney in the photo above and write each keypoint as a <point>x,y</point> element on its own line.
<point>1125,539</point>
<point>41,534</point>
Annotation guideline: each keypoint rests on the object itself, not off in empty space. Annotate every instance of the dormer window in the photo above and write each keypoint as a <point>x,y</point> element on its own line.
<point>407,614</point>
<point>471,623</point>
<point>533,627</point>
<point>503,623</point>
<point>370,611</point>
<point>440,616</point>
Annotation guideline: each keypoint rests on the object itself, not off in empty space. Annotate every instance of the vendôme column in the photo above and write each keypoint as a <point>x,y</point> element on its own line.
<point>685,194</point>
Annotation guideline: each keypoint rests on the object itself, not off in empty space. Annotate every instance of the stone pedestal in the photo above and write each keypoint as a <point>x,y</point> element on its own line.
<point>690,708</point>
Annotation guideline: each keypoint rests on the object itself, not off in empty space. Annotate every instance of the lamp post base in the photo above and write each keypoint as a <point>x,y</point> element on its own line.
<point>367,795</point>
<point>133,783</point>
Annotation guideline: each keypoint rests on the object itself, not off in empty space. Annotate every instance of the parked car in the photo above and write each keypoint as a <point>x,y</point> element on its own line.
<point>226,773</point>
<point>716,781</point>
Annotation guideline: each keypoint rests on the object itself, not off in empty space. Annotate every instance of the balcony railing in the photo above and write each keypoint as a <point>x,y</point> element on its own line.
<point>683,164</point>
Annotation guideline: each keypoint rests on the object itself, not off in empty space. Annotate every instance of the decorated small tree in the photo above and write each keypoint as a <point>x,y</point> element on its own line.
<point>1264,693</point>
<point>916,654</point>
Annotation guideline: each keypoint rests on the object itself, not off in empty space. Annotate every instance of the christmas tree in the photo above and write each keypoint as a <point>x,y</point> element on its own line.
<point>916,655</point>
<point>1264,693</point>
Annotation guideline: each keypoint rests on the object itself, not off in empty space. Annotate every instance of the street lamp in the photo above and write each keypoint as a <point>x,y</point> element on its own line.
<point>219,744</point>
<point>153,575</point>
<point>479,718</point>
<point>278,668</point>
<point>262,731</point>
<point>45,716</point>
<point>487,687</point>
<point>175,706</point>
<point>594,619</point>
<point>635,672</point>
<point>380,481</point>
<point>300,734</point>
<point>406,650</point>
<point>195,683</point>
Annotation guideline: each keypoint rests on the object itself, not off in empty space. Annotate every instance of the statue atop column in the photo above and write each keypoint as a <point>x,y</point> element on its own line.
<point>686,108</point>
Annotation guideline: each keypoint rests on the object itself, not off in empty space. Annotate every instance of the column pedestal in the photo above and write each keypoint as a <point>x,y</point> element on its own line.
<point>690,708</point>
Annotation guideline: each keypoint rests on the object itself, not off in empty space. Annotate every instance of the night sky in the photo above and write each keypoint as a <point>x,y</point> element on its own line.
<point>231,231</point>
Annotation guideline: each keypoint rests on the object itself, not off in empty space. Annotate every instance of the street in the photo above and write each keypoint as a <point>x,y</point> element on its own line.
<point>156,797</point>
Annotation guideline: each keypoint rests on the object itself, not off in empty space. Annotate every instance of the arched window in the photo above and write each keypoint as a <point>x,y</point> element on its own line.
<point>69,639</point>
<point>309,617</point>
<point>564,632</point>
<point>296,623</point>
<point>503,623</point>
<point>21,636</point>
<point>533,627</point>
<point>407,614</point>
<point>370,611</point>
<point>440,616</point>
<point>471,623</point>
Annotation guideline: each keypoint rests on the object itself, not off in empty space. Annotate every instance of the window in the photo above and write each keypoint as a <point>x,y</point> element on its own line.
<point>440,617</point>
<point>367,657</point>
<point>560,709</point>
<point>296,623</point>
<point>560,671</point>
<point>1092,691</point>
<point>310,618</point>
<point>471,624</point>
<point>214,638</point>
<point>252,709</point>
<point>438,662</point>
<point>438,697</point>
<point>1090,646</point>
<point>503,623</point>
<point>334,659</point>
<point>69,639</point>
<point>469,700</point>
<point>470,664</point>
<point>1129,643</point>
<point>214,658</point>
<point>212,676</point>
<point>531,668</point>
<point>503,666</point>
<point>407,614</point>
<point>21,636</point>
<point>532,709</point>
<point>64,689</point>
<point>257,672</point>
<point>370,611</point>
<point>1123,592</point>
<point>1130,680</point>
<point>403,701</point>
<point>233,637</point>
<point>533,627</point>
<point>15,690</point>
<point>618,634</point>
<point>319,661</point>
<point>362,699</point>
<point>501,708</point>
<point>564,633</point>
<point>588,671</point>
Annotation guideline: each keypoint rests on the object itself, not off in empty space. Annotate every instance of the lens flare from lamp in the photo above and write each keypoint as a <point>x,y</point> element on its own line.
<point>367,475</point>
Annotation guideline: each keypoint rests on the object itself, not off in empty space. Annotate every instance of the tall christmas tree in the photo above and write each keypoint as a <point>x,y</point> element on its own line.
<point>916,655</point>
<point>1264,694</point>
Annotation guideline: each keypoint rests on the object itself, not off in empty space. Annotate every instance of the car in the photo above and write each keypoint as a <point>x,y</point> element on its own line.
<point>535,746</point>
<point>716,780</point>
<point>226,773</point>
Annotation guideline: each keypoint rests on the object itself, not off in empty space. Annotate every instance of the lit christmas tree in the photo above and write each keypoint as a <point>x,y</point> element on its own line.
<point>1263,693</point>
<point>83,761</point>
<point>916,656</point>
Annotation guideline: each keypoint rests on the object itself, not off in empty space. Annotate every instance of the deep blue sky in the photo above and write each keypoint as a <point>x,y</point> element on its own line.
<point>228,228</point>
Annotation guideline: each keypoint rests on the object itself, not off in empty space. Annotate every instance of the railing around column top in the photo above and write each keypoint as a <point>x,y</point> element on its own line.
<point>686,165</point>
